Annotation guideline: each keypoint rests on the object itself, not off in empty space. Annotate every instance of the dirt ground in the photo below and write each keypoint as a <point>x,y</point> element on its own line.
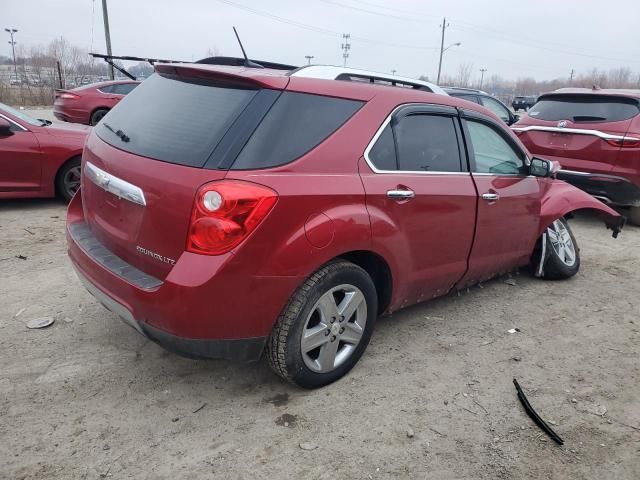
<point>432,397</point>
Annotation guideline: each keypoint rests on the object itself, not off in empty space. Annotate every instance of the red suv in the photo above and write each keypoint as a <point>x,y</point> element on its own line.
<point>226,212</point>
<point>89,103</point>
<point>595,135</point>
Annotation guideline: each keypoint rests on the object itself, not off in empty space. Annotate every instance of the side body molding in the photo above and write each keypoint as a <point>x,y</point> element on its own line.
<point>560,198</point>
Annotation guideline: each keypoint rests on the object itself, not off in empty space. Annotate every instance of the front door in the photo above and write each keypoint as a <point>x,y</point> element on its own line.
<point>509,200</point>
<point>20,160</point>
<point>421,200</point>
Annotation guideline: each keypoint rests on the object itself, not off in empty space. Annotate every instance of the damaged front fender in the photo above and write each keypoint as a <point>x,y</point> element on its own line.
<point>559,199</point>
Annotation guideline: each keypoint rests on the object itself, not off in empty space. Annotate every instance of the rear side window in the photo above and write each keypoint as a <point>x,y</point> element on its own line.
<point>383,153</point>
<point>591,108</point>
<point>106,88</point>
<point>174,120</point>
<point>294,125</point>
<point>427,143</point>
<point>124,88</point>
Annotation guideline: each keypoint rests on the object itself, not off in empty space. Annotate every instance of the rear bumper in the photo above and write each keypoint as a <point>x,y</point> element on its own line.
<point>241,350</point>
<point>610,189</point>
<point>206,307</point>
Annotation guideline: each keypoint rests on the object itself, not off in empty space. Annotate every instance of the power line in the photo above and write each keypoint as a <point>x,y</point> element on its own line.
<point>323,31</point>
<point>532,43</point>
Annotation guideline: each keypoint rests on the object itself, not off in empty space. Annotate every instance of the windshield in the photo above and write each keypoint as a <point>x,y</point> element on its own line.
<point>22,116</point>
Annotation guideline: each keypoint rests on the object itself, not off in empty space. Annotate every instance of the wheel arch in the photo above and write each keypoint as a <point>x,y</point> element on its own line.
<point>559,199</point>
<point>379,271</point>
<point>96,109</point>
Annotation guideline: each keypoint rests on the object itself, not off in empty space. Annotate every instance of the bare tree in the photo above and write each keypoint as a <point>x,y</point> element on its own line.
<point>463,78</point>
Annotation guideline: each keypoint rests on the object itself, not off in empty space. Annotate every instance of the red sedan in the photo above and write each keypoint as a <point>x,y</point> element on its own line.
<point>37,158</point>
<point>282,212</point>
<point>89,103</point>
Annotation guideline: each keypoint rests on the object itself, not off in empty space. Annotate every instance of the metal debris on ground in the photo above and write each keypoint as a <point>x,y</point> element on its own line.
<point>534,416</point>
<point>513,330</point>
<point>511,281</point>
<point>40,322</point>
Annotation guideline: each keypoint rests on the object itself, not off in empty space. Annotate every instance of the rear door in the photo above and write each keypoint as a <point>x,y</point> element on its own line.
<point>509,199</point>
<point>20,160</point>
<point>416,177</point>
<point>582,132</point>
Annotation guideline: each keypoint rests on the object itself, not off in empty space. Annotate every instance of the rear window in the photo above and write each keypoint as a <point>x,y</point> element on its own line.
<point>584,108</point>
<point>177,121</point>
<point>295,124</point>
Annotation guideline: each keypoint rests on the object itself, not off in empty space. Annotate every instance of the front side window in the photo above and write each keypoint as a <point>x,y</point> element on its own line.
<point>496,108</point>
<point>427,143</point>
<point>492,153</point>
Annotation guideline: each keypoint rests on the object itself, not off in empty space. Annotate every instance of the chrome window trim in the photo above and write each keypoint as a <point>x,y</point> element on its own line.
<point>386,122</point>
<point>14,122</point>
<point>578,131</point>
<point>112,184</point>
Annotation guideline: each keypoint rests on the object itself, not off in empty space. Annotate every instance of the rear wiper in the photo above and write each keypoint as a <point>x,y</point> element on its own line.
<point>588,118</point>
<point>118,133</point>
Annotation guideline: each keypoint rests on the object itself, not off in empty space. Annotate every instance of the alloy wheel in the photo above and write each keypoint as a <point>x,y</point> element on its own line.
<point>334,328</point>
<point>71,181</point>
<point>561,243</point>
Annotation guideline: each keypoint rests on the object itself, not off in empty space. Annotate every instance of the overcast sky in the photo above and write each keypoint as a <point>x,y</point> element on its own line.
<point>513,38</point>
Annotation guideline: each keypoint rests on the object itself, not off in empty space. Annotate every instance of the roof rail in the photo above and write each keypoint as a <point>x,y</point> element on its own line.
<point>330,72</point>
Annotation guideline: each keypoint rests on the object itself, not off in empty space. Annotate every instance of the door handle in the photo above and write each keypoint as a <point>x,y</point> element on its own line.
<point>490,197</point>
<point>401,194</point>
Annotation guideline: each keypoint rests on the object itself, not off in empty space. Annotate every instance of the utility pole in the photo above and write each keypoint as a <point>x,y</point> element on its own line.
<point>444,27</point>
<point>107,35</point>
<point>571,75</point>
<point>393,72</point>
<point>309,58</point>
<point>12,42</point>
<point>482,70</point>
<point>346,46</point>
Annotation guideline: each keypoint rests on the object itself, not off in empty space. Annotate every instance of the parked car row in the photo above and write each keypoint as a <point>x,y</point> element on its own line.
<point>288,209</point>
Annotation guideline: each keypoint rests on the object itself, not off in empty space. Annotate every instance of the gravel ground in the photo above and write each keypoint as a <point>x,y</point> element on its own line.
<point>432,397</point>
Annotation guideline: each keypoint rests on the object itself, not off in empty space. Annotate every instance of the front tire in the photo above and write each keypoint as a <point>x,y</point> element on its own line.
<point>97,116</point>
<point>68,179</point>
<point>325,327</point>
<point>563,255</point>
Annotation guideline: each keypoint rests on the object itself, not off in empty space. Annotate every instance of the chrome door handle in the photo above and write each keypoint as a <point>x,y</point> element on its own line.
<point>490,197</point>
<point>401,194</point>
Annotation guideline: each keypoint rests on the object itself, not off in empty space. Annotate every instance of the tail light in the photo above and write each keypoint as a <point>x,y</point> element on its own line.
<point>68,96</point>
<point>626,142</point>
<point>225,213</point>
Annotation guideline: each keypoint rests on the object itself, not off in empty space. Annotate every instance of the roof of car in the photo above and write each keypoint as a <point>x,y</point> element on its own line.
<point>104,84</point>
<point>620,92</point>
<point>463,90</point>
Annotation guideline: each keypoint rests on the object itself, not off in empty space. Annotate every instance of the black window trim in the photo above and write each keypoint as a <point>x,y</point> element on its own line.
<point>405,110</point>
<point>491,123</point>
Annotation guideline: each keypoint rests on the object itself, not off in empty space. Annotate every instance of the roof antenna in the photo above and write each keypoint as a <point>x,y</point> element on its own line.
<point>247,63</point>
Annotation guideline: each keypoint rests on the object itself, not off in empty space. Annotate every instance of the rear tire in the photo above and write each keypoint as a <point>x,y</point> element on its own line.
<point>563,255</point>
<point>97,116</point>
<point>634,216</point>
<point>68,179</point>
<point>325,327</point>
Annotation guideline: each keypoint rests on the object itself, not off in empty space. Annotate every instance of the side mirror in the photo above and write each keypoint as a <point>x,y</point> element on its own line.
<point>5,128</point>
<point>543,168</point>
